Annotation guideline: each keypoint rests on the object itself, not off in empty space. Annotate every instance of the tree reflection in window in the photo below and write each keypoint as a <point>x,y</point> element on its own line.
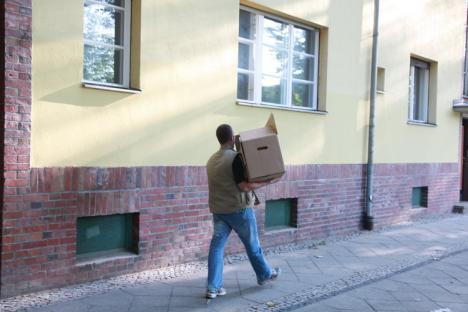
<point>104,41</point>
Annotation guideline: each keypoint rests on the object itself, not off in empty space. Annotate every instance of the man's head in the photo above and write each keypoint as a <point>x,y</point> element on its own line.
<point>224,134</point>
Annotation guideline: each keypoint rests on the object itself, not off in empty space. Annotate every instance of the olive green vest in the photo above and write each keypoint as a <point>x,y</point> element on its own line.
<point>224,195</point>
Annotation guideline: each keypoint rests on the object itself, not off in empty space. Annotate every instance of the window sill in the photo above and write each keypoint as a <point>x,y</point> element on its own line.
<point>103,256</point>
<point>110,88</point>
<point>420,123</point>
<point>280,229</point>
<point>294,109</point>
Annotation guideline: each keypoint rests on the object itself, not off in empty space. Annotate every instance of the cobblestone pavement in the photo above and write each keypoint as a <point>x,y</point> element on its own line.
<point>416,267</point>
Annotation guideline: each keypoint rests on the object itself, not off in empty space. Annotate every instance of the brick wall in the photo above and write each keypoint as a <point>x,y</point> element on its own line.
<point>16,113</point>
<point>39,226</point>
<point>40,206</point>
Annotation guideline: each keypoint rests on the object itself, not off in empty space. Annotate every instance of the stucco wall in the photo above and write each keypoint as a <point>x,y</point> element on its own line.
<point>188,76</point>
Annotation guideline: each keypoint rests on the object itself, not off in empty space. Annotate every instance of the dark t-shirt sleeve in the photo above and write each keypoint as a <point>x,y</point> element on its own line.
<point>238,169</point>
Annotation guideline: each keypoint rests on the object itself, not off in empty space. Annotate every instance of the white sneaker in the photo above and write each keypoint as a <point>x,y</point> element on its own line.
<point>213,294</point>
<point>274,275</point>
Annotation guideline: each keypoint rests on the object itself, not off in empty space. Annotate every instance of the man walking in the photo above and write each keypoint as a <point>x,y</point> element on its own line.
<point>230,202</point>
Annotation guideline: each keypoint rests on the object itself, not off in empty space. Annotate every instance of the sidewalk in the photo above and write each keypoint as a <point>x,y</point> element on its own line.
<point>310,274</point>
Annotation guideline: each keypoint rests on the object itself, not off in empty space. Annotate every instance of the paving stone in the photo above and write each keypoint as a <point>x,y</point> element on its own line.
<point>372,293</point>
<point>420,306</point>
<point>146,309</point>
<point>115,298</point>
<point>404,296</point>
<point>151,301</point>
<point>227,304</point>
<point>180,291</point>
<point>385,305</point>
<point>347,301</point>
<point>157,289</point>
<point>259,295</point>
<point>189,302</point>
<point>454,307</point>
<point>108,309</point>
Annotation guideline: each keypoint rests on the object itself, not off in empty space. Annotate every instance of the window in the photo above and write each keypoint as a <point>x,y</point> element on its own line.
<point>103,235</point>
<point>107,42</point>
<point>419,91</point>
<point>380,80</point>
<point>281,213</point>
<point>277,62</point>
<point>419,197</point>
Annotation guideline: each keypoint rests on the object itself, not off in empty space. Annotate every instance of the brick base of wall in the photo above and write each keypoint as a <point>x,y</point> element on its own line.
<point>40,212</point>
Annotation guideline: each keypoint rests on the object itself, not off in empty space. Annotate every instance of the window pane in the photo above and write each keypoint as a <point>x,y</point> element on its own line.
<point>245,53</point>
<point>275,33</point>
<point>102,64</point>
<point>304,40</point>
<point>94,234</point>
<point>274,62</point>
<point>120,3</point>
<point>273,90</point>
<point>302,94</point>
<point>246,24</point>
<point>103,24</point>
<point>245,87</point>
<point>303,67</point>
<point>421,93</point>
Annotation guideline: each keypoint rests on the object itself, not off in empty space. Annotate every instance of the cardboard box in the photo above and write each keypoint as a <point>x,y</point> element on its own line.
<point>261,152</point>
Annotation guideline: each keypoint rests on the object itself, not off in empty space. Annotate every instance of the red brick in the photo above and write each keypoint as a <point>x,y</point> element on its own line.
<point>22,182</point>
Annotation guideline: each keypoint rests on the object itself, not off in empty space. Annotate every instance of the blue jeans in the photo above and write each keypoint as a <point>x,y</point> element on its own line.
<point>245,225</point>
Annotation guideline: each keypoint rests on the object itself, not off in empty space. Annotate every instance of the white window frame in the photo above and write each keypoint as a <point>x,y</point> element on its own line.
<point>125,70</point>
<point>465,84</point>
<point>426,67</point>
<point>257,44</point>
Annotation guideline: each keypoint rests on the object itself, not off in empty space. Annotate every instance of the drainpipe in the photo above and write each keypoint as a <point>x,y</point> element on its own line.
<point>368,219</point>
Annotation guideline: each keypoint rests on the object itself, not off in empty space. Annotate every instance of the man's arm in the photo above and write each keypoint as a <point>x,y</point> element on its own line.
<point>250,186</point>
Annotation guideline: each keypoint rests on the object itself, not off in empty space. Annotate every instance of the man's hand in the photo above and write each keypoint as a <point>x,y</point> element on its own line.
<point>250,186</point>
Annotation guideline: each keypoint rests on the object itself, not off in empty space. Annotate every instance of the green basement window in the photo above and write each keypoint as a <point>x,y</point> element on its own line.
<point>419,197</point>
<point>103,236</point>
<point>281,214</point>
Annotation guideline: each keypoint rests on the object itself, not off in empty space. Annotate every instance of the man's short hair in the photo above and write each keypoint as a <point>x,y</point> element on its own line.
<point>224,133</point>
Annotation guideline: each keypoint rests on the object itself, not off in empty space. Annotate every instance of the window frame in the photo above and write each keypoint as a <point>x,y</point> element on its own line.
<point>126,47</point>
<point>465,82</point>
<point>257,73</point>
<point>426,66</point>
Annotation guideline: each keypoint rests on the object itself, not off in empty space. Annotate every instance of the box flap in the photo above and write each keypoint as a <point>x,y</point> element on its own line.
<point>271,124</point>
<point>269,129</point>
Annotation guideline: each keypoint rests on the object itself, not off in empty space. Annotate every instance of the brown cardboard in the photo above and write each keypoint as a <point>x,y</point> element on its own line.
<point>261,152</point>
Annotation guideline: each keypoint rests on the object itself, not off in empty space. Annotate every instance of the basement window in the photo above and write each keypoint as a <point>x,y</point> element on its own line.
<point>107,236</point>
<point>281,214</point>
<point>419,197</point>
